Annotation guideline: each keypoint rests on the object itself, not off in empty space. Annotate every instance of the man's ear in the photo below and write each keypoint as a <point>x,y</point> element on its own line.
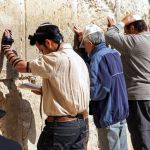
<point>47,42</point>
<point>132,29</point>
<point>90,43</point>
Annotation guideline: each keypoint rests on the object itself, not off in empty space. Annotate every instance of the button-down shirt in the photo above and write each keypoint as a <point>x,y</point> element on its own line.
<point>65,83</point>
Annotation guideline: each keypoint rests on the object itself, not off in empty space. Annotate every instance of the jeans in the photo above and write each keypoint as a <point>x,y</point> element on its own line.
<point>139,124</point>
<point>113,137</point>
<point>63,135</point>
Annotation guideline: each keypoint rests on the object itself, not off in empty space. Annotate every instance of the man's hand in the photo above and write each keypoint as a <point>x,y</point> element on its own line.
<point>128,19</point>
<point>79,32</point>
<point>111,21</point>
<point>7,38</point>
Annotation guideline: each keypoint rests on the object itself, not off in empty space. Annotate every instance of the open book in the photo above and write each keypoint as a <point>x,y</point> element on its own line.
<point>29,86</point>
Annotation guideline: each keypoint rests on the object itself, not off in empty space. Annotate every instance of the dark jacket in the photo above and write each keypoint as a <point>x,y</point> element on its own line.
<point>109,101</point>
<point>7,144</point>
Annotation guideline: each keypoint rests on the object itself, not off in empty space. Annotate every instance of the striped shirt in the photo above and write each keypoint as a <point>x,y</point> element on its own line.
<point>65,84</point>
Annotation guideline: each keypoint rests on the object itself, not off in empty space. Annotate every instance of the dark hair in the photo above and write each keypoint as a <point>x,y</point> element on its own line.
<point>139,26</point>
<point>46,31</point>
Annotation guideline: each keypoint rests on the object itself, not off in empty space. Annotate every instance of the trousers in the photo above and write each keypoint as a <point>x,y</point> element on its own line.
<point>139,124</point>
<point>63,135</point>
<point>113,137</point>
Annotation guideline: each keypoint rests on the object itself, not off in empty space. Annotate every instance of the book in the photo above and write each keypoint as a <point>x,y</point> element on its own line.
<point>29,86</point>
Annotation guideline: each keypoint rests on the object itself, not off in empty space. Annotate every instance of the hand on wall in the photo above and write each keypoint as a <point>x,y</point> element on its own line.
<point>79,32</point>
<point>131,18</point>
<point>111,21</point>
<point>7,37</point>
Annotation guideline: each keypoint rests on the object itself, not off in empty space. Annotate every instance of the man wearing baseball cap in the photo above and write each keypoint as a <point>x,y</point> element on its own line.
<point>65,87</point>
<point>109,103</point>
<point>134,47</point>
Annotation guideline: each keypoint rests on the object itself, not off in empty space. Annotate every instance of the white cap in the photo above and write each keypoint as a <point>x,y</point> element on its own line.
<point>89,29</point>
<point>137,17</point>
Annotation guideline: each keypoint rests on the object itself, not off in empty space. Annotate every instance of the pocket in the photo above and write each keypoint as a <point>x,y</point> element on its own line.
<point>64,137</point>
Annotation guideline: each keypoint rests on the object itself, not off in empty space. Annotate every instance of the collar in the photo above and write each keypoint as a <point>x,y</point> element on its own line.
<point>64,46</point>
<point>98,48</point>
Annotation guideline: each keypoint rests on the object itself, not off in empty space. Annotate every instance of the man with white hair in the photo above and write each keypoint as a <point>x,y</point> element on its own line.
<point>134,47</point>
<point>109,103</point>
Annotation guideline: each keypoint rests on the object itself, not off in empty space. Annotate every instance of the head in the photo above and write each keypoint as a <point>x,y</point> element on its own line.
<point>92,36</point>
<point>47,38</point>
<point>137,26</point>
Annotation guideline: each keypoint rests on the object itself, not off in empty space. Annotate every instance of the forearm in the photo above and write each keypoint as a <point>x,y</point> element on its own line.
<point>114,37</point>
<point>98,92</point>
<point>14,60</point>
<point>118,40</point>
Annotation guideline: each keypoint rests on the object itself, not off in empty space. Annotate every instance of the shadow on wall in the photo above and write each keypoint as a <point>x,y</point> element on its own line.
<point>29,131</point>
<point>19,122</point>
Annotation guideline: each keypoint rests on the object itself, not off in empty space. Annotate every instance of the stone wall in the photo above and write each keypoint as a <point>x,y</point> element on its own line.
<point>23,122</point>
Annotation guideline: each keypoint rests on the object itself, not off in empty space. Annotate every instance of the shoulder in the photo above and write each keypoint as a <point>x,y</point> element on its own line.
<point>104,51</point>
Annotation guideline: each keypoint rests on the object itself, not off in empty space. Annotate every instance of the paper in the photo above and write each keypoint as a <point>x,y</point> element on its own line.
<point>29,86</point>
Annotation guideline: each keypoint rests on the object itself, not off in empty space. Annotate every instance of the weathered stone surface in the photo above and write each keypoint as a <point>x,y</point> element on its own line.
<point>23,122</point>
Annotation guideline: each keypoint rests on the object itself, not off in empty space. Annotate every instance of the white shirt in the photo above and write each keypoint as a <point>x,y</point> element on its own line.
<point>66,85</point>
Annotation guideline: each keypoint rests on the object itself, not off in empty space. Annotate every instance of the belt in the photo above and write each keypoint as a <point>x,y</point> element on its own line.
<point>83,115</point>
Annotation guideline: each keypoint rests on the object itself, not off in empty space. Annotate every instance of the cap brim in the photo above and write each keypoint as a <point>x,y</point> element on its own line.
<point>2,113</point>
<point>81,44</point>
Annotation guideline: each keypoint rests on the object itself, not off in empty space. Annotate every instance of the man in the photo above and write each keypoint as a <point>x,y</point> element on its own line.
<point>7,144</point>
<point>107,89</point>
<point>65,87</point>
<point>134,46</point>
